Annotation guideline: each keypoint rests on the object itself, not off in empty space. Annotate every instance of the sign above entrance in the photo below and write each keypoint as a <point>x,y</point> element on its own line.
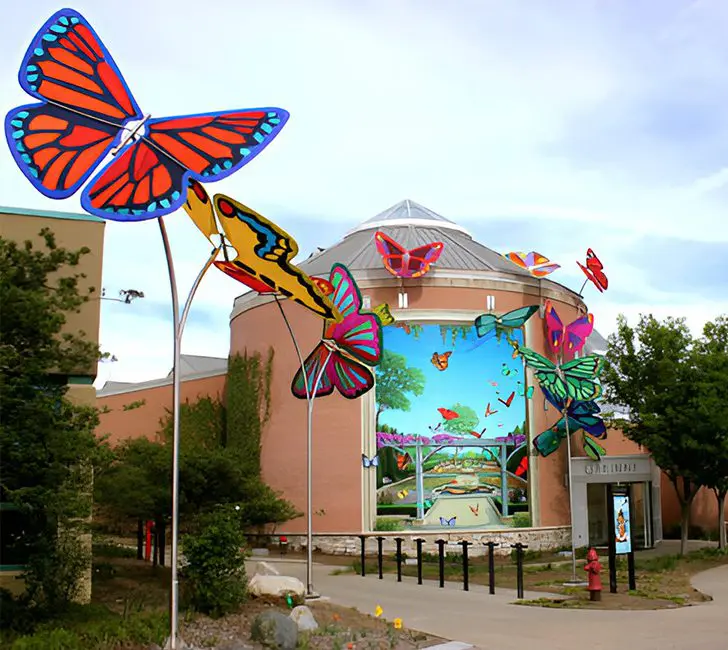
<point>611,468</point>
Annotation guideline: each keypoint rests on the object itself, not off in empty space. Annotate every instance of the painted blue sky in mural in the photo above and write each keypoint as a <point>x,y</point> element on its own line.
<point>467,380</point>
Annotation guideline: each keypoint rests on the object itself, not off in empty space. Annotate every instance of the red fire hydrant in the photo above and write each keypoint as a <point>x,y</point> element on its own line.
<point>593,568</point>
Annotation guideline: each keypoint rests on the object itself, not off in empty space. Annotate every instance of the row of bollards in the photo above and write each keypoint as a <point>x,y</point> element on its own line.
<point>519,547</point>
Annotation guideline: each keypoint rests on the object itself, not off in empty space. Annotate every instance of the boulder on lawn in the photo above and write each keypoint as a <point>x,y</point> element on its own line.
<point>304,619</point>
<point>277,586</point>
<point>274,630</point>
<point>266,569</point>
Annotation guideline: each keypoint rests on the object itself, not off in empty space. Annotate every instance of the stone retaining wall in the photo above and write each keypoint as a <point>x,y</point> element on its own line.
<point>537,539</point>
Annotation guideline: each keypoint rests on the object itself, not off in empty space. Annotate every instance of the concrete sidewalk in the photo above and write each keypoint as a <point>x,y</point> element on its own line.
<point>494,623</point>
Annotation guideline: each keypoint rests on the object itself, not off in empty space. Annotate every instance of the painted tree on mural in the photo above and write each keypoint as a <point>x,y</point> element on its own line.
<point>464,424</point>
<point>395,381</point>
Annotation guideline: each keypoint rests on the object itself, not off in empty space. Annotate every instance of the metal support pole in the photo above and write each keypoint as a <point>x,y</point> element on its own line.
<point>419,479</point>
<point>380,560</point>
<point>441,558</point>
<point>466,573</point>
<point>519,568</point>
<point>565,415</point>
<point>398,541</point>
<point>363,540</point>
<point>491,567</point>
<point>419,543</point>
<point>504,480</point>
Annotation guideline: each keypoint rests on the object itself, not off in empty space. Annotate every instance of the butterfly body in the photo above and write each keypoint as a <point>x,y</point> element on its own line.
<point>403,263</point>
<point>87,111</point>
<point>594,271</point>
<point>441,361</point>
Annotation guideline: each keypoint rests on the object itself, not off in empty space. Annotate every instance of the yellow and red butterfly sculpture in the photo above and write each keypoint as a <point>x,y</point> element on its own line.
<point>86,112</point>
<point>263,251</point>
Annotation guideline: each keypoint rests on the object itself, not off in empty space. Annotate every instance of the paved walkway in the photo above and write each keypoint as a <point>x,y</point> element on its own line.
<point>493,623</point>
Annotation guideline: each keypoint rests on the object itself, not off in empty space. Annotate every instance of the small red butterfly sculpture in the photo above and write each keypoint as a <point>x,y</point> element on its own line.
<point>404,263</point>
<point>441,361</point>
<point>594,271</point>
<point>448,414</point>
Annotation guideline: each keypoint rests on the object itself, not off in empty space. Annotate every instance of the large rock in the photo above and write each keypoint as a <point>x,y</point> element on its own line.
<point>274,630</point>
<point>303,617</point>
<point>266,569</point>
<point>278,586</point>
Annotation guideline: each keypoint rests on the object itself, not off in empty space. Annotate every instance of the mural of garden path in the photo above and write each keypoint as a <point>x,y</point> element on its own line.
<point>493,623</point>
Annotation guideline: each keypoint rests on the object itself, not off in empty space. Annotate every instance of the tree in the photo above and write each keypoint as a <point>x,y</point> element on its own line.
<point>652,370</point>
<point>48,444</point>
<point>395,380</point>
<point>464,424</point>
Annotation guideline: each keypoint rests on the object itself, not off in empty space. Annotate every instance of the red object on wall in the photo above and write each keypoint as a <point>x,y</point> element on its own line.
<point>148,542</point>
<point>593,568</point>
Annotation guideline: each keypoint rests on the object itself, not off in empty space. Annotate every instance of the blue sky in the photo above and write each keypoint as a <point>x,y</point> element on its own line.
<point>547,126</point>
<point>467,381</point>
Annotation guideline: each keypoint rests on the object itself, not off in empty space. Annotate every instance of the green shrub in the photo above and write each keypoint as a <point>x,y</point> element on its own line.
<point>215,575</point>
<point>55,639</point>
<point>388,524</point>
<point>522,520</point>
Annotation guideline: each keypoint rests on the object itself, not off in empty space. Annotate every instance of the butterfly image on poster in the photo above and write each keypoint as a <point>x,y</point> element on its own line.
<point>576,379</point>
<point>347,349</point>
<point>489,325</point>
<point>263,251</point>
<point>568,339</point>
<point>528,393</point>
<point>594,271</point>
<point>403,460</point>
<point>87,111</point>
<point>441,361</point>
<point>507,402</point>
<point>536,264</point>
<point>522,468</point>
<point>488,411</point>
<point>403,263</point>
<point>475,510</point>
<point>448,414</point>
<point>450,523</point>
<point>385,316</point>
<point>369,462</point>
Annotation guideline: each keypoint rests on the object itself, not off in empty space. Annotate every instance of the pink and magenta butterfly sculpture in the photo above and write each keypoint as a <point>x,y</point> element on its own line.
<point>566,339</point>
<point>403,263</point>
<point>347,349</point>
<point>86,112</point>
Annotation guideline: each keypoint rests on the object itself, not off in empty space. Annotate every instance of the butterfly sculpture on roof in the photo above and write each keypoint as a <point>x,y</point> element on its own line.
<point>403,263</point>
<point>581,415</point>
<point>594,272</point>
<point>263,252</point>
<point>347,350</point>
<point>539,266</point>
<point>569,339</point>
<point>86,112</point>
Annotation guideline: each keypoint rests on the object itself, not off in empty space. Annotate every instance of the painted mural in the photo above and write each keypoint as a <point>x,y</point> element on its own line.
<point>450,422</point>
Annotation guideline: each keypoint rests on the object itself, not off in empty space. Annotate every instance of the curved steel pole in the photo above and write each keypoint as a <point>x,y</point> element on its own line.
<point>565,415</point>
<point>178,325</point>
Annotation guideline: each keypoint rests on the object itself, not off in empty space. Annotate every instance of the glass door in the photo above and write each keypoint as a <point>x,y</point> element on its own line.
<point>596,505</point>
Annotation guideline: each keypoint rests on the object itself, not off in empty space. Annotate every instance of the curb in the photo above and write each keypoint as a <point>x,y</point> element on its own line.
<point>451,645</point>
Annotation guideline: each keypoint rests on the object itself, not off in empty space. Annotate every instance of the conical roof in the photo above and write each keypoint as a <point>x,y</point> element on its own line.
<point>411,225</point>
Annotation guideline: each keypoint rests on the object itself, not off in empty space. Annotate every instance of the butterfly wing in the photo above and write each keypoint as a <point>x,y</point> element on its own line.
<point>324,286</point>
<point>358,335</point>
<point>554,326</point>
<point>580,377</point>
<point>522,468</point>
<point>593,449</point>
<point>519,258</point>
<point>392,253</point>
<point>384,315</point>
<point>312,369</point>
<point>420,259</point>
<point>577,332</point>
<point>57,145</point>
<point>594,271</point>
<point>549,441</point>
<point>238,273</point>
<point>351,378</point>
<point>518,317</point>
<point>146,180</point>
<point>485,325</point>
<point>200,209</point>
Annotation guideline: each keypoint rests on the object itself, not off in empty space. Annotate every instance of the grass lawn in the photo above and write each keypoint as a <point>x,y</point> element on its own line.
<point>662,581</point>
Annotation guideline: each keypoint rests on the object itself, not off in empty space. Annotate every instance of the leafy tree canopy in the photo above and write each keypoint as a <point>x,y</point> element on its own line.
<point>467,422</point>
<point>396,381</point>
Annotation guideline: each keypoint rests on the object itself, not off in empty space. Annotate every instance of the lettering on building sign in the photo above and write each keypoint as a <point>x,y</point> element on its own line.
<point>610,468</point>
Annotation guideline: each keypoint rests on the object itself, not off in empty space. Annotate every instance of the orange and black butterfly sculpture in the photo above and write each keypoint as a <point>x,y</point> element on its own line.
<point>86,112</point>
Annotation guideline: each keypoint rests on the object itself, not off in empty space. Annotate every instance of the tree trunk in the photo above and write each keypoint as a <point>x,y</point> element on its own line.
<point>684,525</point>
<point>722,533</point>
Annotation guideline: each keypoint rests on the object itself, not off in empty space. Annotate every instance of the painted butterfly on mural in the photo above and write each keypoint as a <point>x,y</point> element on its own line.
<point>448,522</point>
<point>475,434</point>
<point>346,350</point>
<point>447,414</point>
<point>522,468</point>
<point>489,325</point>
<point>488,411</point>
<point>475,509</point>
<point>576,379</point>
<point>507,402</point>
<point>404,263</point>
<point>594,271</point>
<point>441,361</point>
<point>505,370</point>
<point>405,326</point>
<point>402,494</point>
<point>263,251</point>
<point>528,393</point>
<point>567,339</point>
<point>403,460</point>
<point>536,264</point>
<point>87,112</point>
<point>369,462</point>
<point>385,316</point>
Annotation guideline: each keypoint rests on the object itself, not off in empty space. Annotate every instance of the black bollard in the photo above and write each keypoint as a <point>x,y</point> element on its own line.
<point>398,541</point>
<point>419,543</point>
<point>631,572</point>
<point>491,567</point>
<point>140,540</point>
<point>466,575</point>
<point>379,555</point>
<point>363,540</point>
<point>519,568</point>
<point>441,557</point>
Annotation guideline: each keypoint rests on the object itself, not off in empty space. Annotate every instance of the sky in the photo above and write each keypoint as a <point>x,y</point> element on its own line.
<point>468,380</point>
<point>548,126</point>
